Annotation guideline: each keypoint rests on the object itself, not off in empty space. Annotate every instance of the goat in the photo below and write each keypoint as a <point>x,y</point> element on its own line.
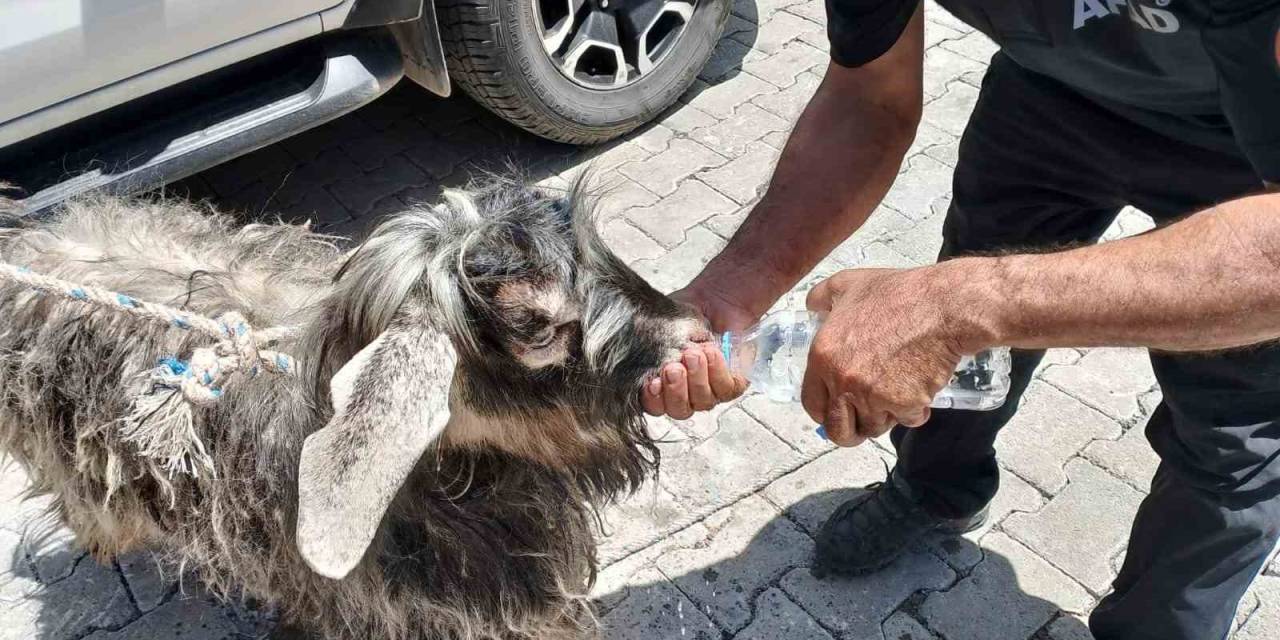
<point>466,399</point>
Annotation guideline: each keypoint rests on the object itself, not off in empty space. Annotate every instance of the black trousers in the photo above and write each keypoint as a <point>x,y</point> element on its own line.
<point>1042,166</point>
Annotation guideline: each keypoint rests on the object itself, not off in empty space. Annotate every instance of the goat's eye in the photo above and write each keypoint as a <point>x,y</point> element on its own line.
<point>543,339</point>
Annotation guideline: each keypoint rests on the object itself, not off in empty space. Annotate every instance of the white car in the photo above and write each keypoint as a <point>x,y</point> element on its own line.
<point>124,95</point>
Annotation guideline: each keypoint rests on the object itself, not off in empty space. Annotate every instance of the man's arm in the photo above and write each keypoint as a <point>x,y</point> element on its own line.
<point>839,162</point>
<point>1211,281</point>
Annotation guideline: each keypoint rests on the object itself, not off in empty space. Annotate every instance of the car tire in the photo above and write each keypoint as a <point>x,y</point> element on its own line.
<point>497,52</point>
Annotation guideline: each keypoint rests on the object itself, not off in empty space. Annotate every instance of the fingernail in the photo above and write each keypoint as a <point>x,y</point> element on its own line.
<point>655,387</point>
<point>822,432</point>
<point>672,375</point>
<point>692,362</point>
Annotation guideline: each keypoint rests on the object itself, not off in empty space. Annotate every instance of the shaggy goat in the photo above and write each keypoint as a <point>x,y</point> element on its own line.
<point>485,357</point>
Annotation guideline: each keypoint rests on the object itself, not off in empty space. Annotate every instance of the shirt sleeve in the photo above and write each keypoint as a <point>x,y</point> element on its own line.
<point>1244,43</point>
<point>862,30</point>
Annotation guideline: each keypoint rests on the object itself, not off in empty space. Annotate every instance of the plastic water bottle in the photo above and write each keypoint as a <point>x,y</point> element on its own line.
<point>772,356</point>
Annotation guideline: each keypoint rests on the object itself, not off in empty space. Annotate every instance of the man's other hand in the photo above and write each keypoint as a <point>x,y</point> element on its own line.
<point>886,347</point>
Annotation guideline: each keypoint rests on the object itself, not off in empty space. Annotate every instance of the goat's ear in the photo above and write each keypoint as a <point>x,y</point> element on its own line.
<point>391,401</point>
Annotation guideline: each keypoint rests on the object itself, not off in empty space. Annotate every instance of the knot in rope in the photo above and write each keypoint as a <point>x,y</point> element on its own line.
<point>239,349</point>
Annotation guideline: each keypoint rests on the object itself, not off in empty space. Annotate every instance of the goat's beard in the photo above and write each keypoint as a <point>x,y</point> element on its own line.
<point>624,467</point>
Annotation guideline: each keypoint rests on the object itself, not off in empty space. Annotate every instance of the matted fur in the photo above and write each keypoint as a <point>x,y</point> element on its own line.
<point>490,536</point>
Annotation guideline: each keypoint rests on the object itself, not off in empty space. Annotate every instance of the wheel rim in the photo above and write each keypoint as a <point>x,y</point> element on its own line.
<point>609,44</point>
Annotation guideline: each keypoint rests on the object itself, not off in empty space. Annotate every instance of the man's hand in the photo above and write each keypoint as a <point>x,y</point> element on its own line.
<point>701,379</point>
<point>886,347</point>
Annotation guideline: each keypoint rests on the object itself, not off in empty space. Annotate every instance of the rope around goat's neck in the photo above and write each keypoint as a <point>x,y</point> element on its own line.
<point>201,379</point>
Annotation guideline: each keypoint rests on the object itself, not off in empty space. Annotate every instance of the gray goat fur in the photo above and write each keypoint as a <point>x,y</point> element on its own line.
<point>490,533</point>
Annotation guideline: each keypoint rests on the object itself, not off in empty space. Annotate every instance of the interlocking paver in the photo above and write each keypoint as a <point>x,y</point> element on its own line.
<point>1094,512</point>
<point>933,11</point>
<point>656,609</point>
<point>147,580</point>
<point>360,194</point>
<point>617,194</point>
<point>788,421</point>
<point>782,68</point>
<point>663,172</point>
<point>1109,380</point>
<point>191,617</point>
<point>947,153</point>
<point>720,100</point>
<point>777,31</point>
<point>269,164</point>
<point>883,223</point>
<point>725,224</point>
<point>757,11</point>
<point>639,521</point>
<point>682,263</point>
<point>629,242</point>
<point>654,138</point>
<point>668,220</point>
<point>812,10</point>
<point>879,255</point>
<point>809,494</point>
<point>685,118</point>
<point>372,150</point>
<point>778,617</point>
<point>923,240</point>
<point>928,136</point>
<point>922,183</point>
<point>1049,429</point>
<point>745,177</point>
<point>854,607</point>
<point>789,102</point>
<point>777,139</point>
<point>739,458</point>
<point>1265,620</point>
<point>901,626</point>
<point>1130,457</point>
<point>936,32</point>
<point>942,67</point>
<point>950,111</point>
<point>91,597</point>
<point>604,159</point>
<point>747,547</point>
<point>964,552</point>
<point>52,551</point>
<point>1068,627</point>
<point>725,58</point>
<point>1010,594</point>
<point>1129,222</point>
<point>731,136</point>
<point>976,46</point>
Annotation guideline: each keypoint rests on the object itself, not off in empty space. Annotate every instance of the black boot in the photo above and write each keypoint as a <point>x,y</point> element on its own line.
<point>867,533</point>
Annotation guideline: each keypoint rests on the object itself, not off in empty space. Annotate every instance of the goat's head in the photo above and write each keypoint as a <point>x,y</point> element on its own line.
<point>498,319</point>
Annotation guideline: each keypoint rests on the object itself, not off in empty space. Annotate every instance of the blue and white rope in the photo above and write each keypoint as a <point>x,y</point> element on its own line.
<point>238,347</point>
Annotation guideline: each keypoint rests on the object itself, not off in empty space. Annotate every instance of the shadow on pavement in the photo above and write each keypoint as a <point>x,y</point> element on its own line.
<point>696,584</point>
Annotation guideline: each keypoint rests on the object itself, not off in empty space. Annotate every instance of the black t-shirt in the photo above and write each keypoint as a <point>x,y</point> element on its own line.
<point>1191,68</point>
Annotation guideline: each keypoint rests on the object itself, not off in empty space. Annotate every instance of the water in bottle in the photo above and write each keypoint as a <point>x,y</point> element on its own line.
<point>772,355</point>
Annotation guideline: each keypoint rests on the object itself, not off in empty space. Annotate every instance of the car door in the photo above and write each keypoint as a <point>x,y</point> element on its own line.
<point>53,50</point>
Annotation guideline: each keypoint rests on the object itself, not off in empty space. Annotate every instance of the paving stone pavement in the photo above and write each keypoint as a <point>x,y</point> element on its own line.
<point>719,546</point>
